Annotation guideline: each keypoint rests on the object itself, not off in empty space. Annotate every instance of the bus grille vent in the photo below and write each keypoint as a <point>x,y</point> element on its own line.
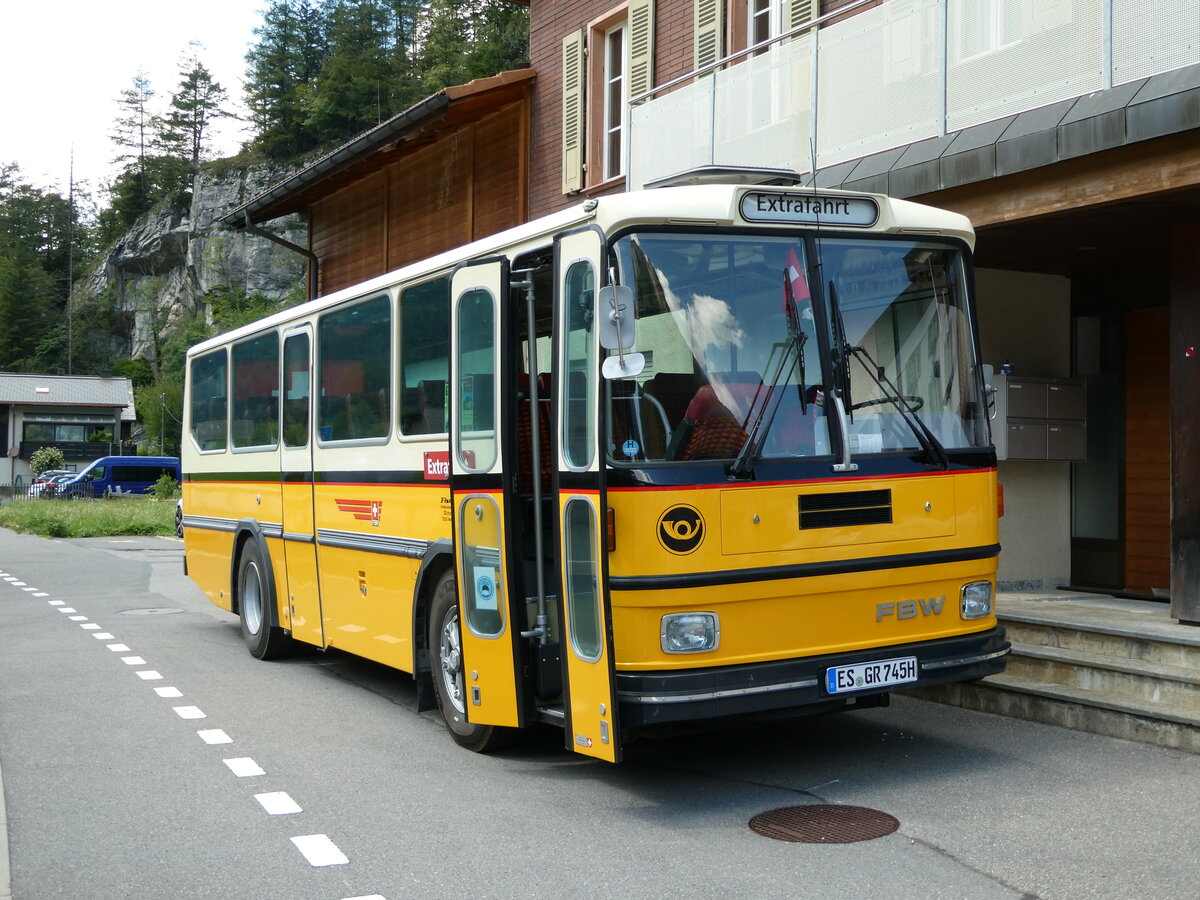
<point>846,508</point>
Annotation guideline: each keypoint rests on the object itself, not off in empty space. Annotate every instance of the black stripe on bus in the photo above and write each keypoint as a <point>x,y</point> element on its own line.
<point>303,476</point>
<point>804,570</point>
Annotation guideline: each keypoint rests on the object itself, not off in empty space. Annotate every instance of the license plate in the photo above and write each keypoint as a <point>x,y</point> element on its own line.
<point>860,677</point>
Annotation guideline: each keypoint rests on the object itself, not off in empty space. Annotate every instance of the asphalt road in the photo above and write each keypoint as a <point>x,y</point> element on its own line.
<point>315,778</point>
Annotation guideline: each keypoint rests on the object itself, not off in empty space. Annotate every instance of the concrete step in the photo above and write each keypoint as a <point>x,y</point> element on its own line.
<point>1109,642</point>
<point>1093,663</point>
<point>1135,680</point>
<point>1075,708</point>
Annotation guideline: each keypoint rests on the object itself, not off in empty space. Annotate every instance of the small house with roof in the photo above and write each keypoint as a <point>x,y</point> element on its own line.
<point>84,416</point>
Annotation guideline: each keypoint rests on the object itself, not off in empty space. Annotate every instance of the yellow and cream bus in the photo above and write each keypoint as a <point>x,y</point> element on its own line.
<point>679,456</point>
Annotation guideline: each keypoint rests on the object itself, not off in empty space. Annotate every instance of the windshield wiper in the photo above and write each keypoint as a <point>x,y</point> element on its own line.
<point>927,439</point>
<point>791,354</point>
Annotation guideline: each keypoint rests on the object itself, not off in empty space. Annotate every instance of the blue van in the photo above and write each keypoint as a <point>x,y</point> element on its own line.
<point>120,475</point>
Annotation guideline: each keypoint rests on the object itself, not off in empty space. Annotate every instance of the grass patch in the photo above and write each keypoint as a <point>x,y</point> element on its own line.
<point>90,518</point>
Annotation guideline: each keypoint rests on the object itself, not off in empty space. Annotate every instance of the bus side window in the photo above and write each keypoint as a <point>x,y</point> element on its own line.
<point>355,348</point>
<point>256,392</point>
<point>424,357</point>
<point>208,406</point>
<point>296,392</point>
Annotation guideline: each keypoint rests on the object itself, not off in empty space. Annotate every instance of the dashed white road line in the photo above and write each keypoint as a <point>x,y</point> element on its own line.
<point>278,803</point>
<point>319,850</point>
<point>244,767</point>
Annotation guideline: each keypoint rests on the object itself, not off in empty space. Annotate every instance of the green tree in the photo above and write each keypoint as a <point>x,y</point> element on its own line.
<point>195,105</point>
<point>368,74</point>
<point>36,228</point>
<point>469,39</point>
<point>282,69</point>
<point>133,135</point>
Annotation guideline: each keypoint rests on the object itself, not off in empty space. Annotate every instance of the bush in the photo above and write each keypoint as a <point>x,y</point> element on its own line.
<point>46,458</point>
<point>166,488</point>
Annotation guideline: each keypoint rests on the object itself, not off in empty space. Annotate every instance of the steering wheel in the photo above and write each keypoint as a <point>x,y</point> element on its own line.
<point>914,402</point>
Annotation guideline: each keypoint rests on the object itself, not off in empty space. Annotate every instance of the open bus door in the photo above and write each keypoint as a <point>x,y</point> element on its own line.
<point>591,723</point>
<point>488,620</point>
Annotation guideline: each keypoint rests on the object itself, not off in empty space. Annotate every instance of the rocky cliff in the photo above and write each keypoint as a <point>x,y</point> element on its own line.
<point>174,259</point>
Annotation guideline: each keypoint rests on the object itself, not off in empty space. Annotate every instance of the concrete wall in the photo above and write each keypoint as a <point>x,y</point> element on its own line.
<point>1026,320</point>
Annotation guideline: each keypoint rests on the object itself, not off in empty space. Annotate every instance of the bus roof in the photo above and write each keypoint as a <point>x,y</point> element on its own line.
<point>700,205</point>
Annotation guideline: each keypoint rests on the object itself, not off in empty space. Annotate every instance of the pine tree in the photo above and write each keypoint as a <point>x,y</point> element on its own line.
<point>35,227</point>
<point>133,134</point>
<point>197,103</point>
<point>472,39</point>
<point>282,70</point>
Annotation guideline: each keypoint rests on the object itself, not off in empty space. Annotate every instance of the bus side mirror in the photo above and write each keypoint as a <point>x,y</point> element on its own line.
<point>614,313</point>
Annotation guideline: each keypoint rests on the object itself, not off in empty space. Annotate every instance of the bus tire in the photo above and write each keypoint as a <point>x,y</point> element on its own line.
<point>256,600</point>
<point>449,679</point>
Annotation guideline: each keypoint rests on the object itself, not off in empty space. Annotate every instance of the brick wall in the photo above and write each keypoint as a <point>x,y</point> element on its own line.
<point>550,22</point>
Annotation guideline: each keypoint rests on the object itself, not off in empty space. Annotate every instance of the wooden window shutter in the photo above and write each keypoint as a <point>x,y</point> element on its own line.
<point>797,13</point>
<point>641,46</point>
<point>573,118</point>
<point>708,43</point>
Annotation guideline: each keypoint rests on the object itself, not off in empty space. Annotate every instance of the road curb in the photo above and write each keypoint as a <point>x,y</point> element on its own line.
<point>5,869</point>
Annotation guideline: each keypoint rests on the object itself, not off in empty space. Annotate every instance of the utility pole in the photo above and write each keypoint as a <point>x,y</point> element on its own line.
<point>70,262</point>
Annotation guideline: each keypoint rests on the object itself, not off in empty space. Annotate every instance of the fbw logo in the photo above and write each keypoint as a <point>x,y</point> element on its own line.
<point>681,529</point>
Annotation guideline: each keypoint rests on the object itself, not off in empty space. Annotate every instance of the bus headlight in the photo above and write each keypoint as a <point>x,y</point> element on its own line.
<point>692,632</point>
<point>976,600</point>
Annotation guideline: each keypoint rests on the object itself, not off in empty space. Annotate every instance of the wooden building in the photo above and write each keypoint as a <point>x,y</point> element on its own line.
<point>450,169</point>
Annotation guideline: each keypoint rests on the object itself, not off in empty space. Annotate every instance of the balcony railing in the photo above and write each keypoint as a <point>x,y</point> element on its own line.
<point>80,450</point>
<point>902,72</point>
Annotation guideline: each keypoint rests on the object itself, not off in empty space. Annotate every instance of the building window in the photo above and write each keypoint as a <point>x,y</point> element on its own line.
<point>763,22</point>
<point>615,97</point>
<point>751,21</point>
<point>984,26</point>
<point>604,65</point>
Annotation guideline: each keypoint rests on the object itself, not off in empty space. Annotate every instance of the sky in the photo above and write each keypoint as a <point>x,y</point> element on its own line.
<point>64,63</point>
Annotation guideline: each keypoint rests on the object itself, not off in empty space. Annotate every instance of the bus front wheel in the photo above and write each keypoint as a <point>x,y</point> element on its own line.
<point>449,678</point>
<point>256,599</point>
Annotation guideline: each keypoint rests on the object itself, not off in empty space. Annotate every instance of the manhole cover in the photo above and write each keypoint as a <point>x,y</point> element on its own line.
<point>824,824</point>
<point>151,611</point>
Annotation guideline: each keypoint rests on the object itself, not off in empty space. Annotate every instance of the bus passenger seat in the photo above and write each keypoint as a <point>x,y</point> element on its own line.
<point>714,432</point>
<point>431,398</point>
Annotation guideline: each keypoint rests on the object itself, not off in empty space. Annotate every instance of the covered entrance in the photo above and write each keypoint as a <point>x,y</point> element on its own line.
<point>1125,252</point>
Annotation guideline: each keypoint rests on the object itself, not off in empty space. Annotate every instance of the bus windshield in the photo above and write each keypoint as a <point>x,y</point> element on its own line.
<point>738,361</point>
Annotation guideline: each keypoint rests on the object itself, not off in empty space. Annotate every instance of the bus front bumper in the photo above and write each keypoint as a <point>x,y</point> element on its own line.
<point>796,686</point>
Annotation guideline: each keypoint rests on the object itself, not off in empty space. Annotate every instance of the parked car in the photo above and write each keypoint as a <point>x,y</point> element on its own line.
<point>46,481</point>
<point>122,475</point>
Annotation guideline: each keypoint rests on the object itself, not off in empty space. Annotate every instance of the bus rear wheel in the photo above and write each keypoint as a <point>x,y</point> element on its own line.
<point>449,677</point>
<point>256,599</point>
